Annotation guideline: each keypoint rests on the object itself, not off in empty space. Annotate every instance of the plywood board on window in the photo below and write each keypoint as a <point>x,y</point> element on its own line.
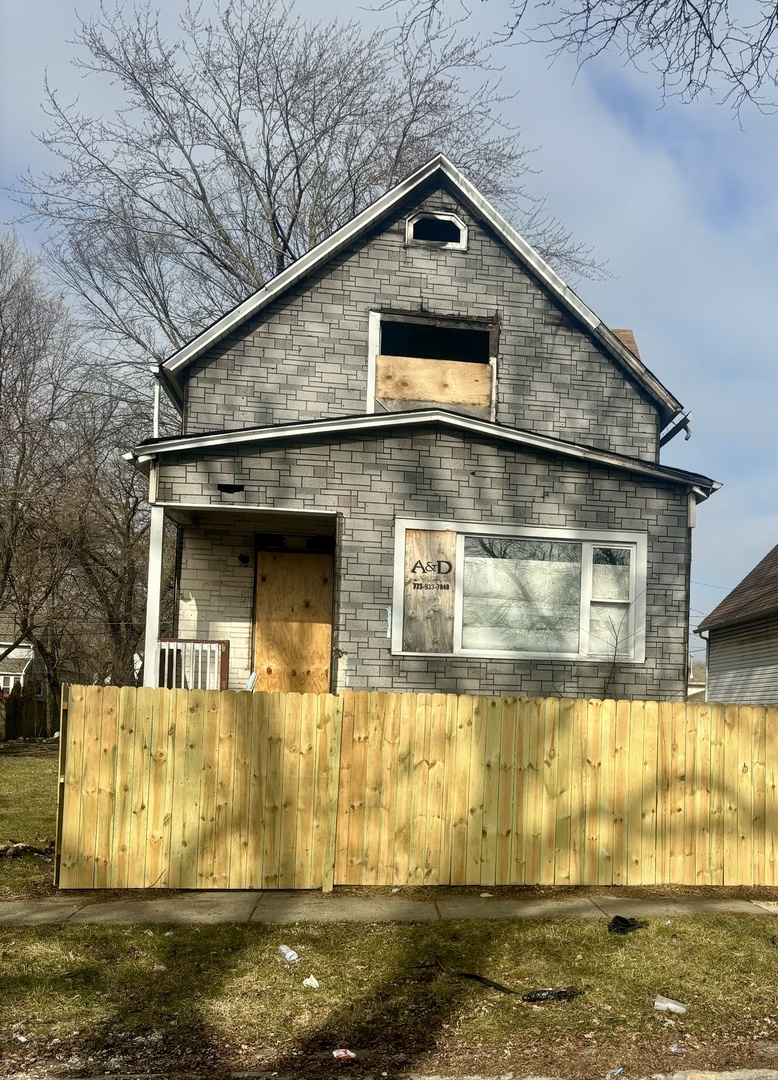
<point>428,608</point>
<point>446,382</point>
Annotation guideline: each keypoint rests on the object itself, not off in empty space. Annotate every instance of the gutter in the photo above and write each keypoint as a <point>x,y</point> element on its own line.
<point>153,450</point>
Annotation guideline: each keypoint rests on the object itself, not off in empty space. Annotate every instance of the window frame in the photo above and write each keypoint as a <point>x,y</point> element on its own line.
<point>375,318</point>
<point>636,542</point>
<point>441,245</point>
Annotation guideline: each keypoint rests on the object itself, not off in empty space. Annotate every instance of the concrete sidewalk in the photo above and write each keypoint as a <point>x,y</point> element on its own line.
<point>290,907</point>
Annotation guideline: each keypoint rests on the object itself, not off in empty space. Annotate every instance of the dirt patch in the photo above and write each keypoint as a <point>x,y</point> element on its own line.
<point>35,748</point>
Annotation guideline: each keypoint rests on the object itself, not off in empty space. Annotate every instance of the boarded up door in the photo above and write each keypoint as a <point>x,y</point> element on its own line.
<point>293,622</point>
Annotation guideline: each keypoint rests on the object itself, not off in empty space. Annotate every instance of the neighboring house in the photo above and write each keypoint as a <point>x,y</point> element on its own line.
<point>16,665</point>
<point>742,639</point>
<point>415,460</point>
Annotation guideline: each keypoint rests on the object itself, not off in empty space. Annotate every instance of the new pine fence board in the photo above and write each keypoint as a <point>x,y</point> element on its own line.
<point>201,789</point>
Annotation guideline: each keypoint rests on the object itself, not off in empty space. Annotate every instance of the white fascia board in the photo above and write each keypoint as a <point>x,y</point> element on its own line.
<point>559,289</point>
<point>300,268</point>
<point>379,421</point>
<point>519,245</point>
<point>352,229</point>
<point>253,508</point>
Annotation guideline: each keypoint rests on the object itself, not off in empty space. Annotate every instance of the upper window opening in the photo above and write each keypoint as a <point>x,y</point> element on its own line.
<point>429,342</point>
<point>437,230</point>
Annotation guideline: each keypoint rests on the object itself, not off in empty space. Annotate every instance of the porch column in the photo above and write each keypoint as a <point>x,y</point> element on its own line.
<point>153,596</point>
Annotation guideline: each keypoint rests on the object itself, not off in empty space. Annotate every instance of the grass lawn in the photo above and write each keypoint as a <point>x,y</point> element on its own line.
<point>211,999</point>
<point>28,812</point>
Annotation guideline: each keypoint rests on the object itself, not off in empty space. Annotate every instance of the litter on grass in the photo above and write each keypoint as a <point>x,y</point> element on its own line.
<point>311,981</point>
<point>344,1055</point>
<point>552,994</point>
<point>485,982</point>
<point>666,1004</point>
<point>476,978</point>
<point>620,925</point>
<point>676,1049</point>
<point>288,954</point>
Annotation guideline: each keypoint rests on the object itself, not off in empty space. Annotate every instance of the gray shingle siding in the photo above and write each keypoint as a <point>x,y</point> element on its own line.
<point>306,355</point>
<point>370,481</point>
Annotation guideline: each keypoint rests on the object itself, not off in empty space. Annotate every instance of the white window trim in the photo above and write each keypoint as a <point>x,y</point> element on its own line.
<point>596,538</point>
<point>442,245</point>
<point>375,318</point>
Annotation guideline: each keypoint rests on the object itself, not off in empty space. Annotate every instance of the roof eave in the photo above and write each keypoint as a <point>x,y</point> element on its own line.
<point>146,452</point>
<point>171,369</point>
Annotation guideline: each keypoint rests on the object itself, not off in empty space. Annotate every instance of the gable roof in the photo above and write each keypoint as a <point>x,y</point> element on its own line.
<point>756,595</point>
<point>333,430</point>
<point>438,169</point>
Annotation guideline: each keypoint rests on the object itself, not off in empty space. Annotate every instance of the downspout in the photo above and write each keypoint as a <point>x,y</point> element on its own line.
<point>155,371</point>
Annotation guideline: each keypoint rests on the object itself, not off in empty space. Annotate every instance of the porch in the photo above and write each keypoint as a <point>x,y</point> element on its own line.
<point>253,604</point>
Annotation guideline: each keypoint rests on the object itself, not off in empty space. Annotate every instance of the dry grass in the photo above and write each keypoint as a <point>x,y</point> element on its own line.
<point>220,998</point>
<point>28,811</point>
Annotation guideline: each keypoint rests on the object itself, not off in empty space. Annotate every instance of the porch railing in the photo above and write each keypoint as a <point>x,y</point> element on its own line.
<point>187,664</point>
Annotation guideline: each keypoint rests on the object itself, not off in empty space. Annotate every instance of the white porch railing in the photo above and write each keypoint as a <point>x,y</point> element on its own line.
<point>194,664</point>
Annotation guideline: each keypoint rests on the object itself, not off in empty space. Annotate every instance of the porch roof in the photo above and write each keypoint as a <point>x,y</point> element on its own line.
<point>333,430</point>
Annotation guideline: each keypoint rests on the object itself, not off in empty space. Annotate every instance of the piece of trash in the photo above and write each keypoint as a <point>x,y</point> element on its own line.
<point>396,889</point>
<point>486,895</point>
<point>676,1049</point>
<point>617,1072</point>
<point>288,954</point>
<point>168,933</point>
<point>620,925</point>
<point>344,1055</point>
<point>311,981</point>
<point>485,982</point>
<point>552,994</point>
<point>159,967</point>
<point>477,978</point>
<point>21,1038</point>
<point>665,1004</point>
<point>667,922</point>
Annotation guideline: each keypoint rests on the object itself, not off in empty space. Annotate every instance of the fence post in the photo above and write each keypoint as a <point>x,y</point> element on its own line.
<point>333,787</point>
<point>63,741</point>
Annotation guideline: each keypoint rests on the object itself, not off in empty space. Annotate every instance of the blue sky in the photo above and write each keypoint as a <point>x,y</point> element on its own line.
<point>680,201</point>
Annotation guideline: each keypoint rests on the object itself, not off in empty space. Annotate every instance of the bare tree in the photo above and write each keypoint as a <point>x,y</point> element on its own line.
<point>245,142</point>
<point>727,48</point>
<point>35,393</point>
<point>73,522</point>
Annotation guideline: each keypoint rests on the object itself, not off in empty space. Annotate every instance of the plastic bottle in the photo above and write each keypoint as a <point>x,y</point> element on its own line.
<point>288,954</point>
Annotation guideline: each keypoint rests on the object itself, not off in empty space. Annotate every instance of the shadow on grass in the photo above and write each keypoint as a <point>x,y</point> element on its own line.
<point>210,1000</point>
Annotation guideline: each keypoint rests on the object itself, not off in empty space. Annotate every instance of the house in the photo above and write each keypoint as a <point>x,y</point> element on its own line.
<point>742,639</point>
<point>16,658</point>
<point>416,460</point>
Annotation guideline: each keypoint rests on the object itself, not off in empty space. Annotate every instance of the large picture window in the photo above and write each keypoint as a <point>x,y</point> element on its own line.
<point>480,591</point>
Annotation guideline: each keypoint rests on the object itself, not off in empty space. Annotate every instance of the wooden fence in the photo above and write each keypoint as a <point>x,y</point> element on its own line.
<point>202,789</point>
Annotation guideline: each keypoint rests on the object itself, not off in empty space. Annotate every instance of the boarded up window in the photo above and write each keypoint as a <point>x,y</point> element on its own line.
<point>428,610</point>
<point>439,362</point>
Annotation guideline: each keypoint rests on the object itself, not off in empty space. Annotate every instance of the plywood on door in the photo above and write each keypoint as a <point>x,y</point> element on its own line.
<point>293,622</point>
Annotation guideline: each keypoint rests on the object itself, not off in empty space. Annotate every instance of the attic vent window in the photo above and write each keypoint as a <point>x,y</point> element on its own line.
<point>436,230</point>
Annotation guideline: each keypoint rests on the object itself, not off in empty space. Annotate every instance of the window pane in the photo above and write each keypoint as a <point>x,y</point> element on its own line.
<point>609,630</point>
<point>610,573</point>
<point>521,595</point>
